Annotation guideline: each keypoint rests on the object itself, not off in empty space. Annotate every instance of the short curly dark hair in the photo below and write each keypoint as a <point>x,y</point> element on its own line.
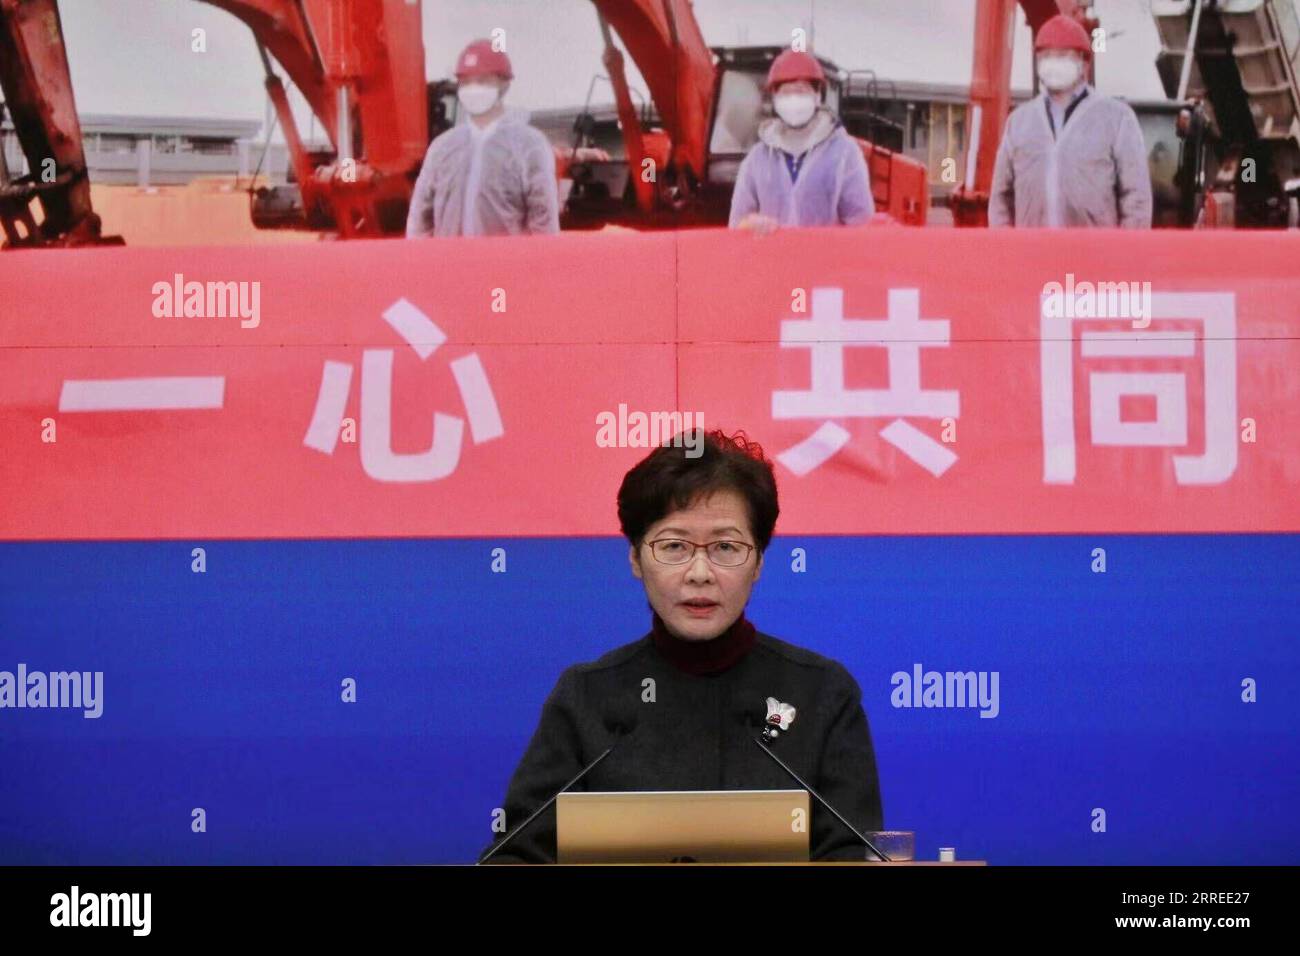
<point>668,480</point>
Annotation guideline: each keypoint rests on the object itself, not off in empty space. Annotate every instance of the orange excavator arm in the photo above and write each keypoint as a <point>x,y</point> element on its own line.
<point>664,40</point>
<point>350,59</point>
<point>37,87</point>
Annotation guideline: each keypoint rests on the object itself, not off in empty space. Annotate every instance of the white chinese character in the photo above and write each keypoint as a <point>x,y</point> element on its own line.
<point>1217,312</point>
<point>378,459</point>
<point>903,334</point>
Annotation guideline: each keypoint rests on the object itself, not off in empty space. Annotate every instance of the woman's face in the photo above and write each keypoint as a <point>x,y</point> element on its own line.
<point>674,590</point>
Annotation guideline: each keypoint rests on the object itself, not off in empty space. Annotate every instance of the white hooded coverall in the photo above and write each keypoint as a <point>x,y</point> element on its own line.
<point>515,187</point>
<point>833,185</point>
<point>1093,172</point>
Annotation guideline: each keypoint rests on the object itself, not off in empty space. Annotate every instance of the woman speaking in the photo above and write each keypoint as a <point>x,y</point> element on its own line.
<point>700,682</point>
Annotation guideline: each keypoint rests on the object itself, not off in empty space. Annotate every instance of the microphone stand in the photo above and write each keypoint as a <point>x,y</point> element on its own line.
<point>762,745</point>
<point>511,835</point>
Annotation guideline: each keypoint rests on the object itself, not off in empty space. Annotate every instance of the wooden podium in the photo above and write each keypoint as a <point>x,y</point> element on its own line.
<point>803,863</point>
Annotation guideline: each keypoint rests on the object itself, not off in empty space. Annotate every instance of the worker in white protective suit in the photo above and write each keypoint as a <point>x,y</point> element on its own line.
<point>805,169</point>
<point>1071,157</point>
<point>493,175</point>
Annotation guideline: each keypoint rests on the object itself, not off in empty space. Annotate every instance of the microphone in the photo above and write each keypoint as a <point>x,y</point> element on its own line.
<point>621,723</point>
<point>748,719</point>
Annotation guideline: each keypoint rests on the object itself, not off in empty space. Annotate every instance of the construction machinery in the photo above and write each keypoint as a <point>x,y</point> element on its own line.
<point>1229,68</point>
<point>695,157</point>
<point>38,95</point>
<point>359,64</point>
<point>1234,65</point>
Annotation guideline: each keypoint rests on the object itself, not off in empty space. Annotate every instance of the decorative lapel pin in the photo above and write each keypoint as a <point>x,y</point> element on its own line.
<point>779,717</point>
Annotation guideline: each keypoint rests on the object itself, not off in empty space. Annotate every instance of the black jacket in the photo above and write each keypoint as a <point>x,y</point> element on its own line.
<point>696,734</point>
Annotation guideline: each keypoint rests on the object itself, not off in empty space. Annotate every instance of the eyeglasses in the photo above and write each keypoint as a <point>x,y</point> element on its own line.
<point>724,554</point>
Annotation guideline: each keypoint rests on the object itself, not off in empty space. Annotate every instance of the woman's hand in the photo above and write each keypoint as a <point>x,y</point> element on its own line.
<point>758,224</point>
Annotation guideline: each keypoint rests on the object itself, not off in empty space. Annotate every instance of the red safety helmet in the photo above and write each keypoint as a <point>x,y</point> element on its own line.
<point>479,59</point>
<point>794,65</point>
<point>1063,33</point>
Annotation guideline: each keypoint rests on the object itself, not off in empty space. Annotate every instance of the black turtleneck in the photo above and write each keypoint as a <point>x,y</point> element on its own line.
<point>705,657</point>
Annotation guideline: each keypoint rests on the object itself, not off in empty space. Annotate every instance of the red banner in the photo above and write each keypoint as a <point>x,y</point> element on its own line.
<point>905,381</point>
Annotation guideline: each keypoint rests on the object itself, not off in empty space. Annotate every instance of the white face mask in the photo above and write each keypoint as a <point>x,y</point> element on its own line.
<point>477,98</point>
<point>1058,73</point>
<point>795,109</point>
